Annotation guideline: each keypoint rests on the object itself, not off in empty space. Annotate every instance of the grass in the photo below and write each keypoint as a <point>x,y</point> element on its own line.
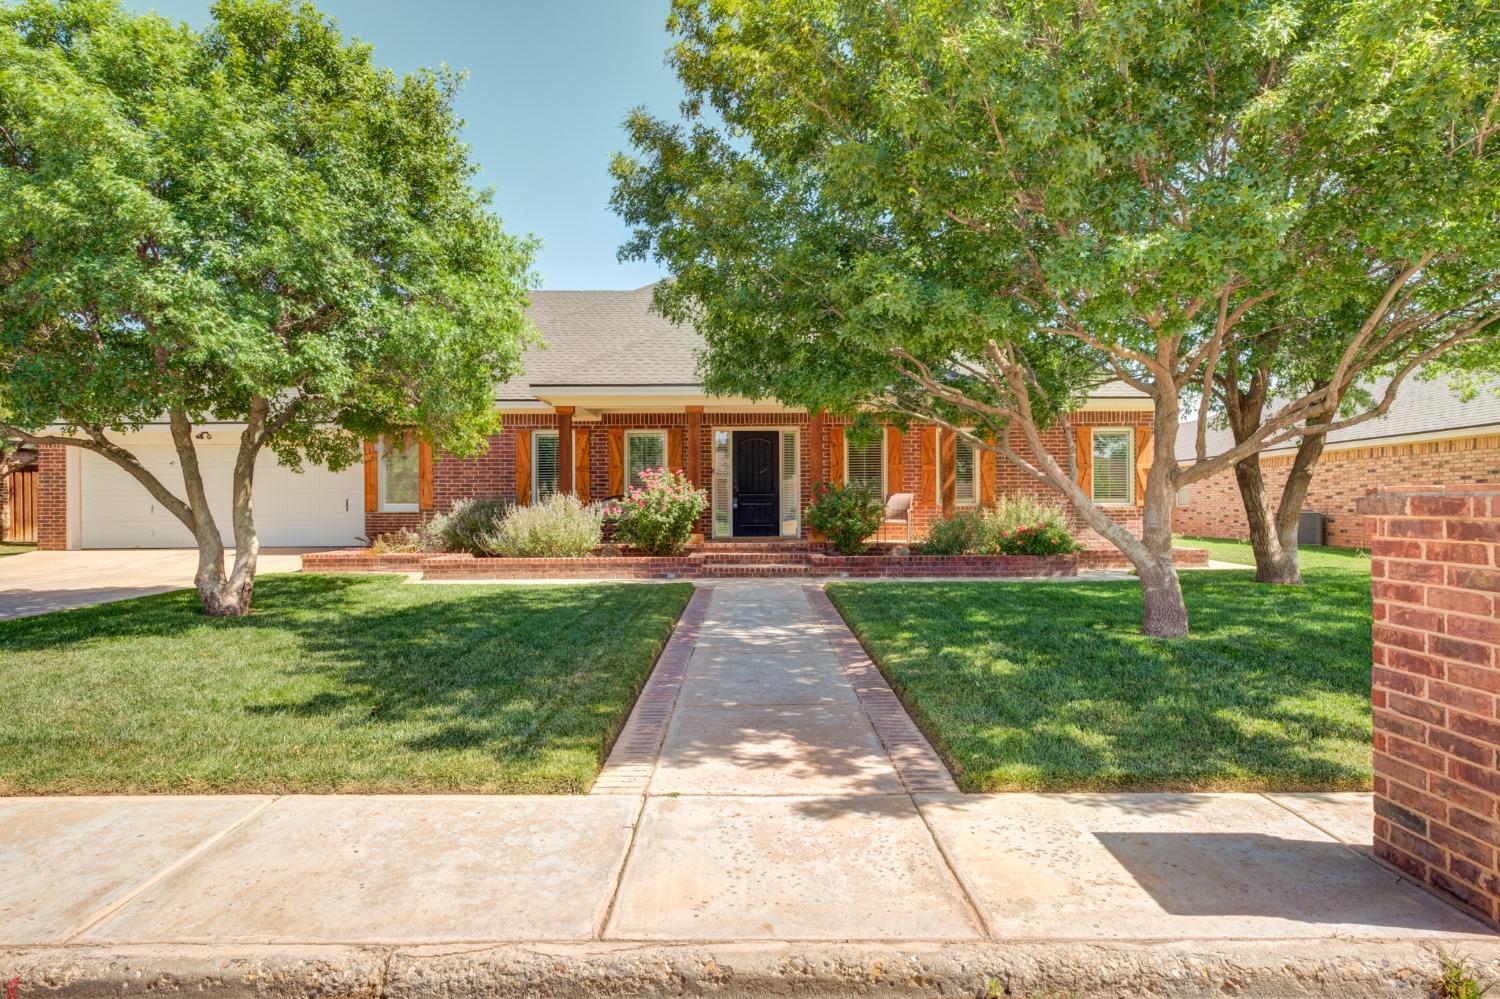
<point>334,683</point>
<point>1308,556</point>
<point>15,548</point>
<point>1049,687</point>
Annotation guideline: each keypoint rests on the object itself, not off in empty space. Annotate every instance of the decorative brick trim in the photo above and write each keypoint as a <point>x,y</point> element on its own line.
<point>632,759</point>
<point>1435,688</point>
<point>920,768</point>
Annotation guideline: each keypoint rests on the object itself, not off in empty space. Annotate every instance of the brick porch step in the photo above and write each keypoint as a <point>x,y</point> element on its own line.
<point>723,570</point>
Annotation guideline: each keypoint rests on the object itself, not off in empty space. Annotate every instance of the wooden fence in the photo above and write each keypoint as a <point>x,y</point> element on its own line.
<point>18,516</point>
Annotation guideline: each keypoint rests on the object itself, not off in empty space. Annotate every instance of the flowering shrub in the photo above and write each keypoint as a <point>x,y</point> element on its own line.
<point>558,527</point>
<point>658,516</point>
<point>964,533</point>
<point>847,516</point>
<point>1036,539</point>
<point>465,528</point>
<point>402,541</point>
<point>1011,512</point>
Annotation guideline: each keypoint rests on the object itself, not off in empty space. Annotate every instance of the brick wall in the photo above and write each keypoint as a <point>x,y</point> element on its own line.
<point>1436,689</point>
<point>52,497</point>
<point>494,473</point>
<point>1339,481</point>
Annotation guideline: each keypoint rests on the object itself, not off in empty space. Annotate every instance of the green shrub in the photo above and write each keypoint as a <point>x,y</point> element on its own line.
<point>1012,512</point>
<point>846,515</point>
<point>1036,539</point>
<point>658,517</point>
<point>964,533</point>
<point>558,527</point>
<point>465,528</point>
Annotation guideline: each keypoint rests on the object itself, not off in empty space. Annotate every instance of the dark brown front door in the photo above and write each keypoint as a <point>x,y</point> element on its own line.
<point>757,512</point>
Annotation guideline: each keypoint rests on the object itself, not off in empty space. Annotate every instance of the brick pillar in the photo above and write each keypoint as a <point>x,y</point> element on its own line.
<point>52,497</point>
<point>815,447</point>
<point>565,450</point>
<point>1436,688</point>
<point>694,445</point>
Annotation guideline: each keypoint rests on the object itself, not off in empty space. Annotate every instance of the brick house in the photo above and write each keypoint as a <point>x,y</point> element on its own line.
<point>1430,437</point>
<point>615,390</point>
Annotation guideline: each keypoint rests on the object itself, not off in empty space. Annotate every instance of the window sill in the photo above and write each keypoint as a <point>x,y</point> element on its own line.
<point>400,508</point>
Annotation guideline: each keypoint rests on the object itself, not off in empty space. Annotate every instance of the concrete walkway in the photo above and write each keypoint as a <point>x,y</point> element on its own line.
<point>770,821</point>
<point>40,582</point>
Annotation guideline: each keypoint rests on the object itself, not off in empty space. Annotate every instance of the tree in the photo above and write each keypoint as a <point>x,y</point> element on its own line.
<point>254,224</point>
<point>971,212</point>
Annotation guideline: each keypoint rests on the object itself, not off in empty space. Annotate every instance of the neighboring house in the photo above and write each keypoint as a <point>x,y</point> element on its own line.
<point>1428,437</point>
<point>615,391</point>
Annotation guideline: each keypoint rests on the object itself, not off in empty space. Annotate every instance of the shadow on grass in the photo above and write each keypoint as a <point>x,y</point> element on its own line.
<point>513,675</point>
<point>1050,687</point>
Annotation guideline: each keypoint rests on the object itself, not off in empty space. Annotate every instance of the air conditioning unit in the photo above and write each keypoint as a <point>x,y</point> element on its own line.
<point>1310,528</point>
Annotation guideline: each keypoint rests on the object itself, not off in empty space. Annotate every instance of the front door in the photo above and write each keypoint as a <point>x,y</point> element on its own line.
<point>757,510</point>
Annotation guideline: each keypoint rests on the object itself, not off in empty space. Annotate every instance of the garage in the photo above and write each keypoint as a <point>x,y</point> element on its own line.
<point>311,508</point>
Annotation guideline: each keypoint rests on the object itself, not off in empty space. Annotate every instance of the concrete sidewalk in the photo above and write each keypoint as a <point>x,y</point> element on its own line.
<point>767,825</point>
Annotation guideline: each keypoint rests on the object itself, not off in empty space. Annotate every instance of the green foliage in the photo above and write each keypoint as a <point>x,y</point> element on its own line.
<point>560,526</point>
<point>846,515</point>
<point>254,215</point>
<point>1036,539</point>
<point>963,533</point>
<point>658,517</point>
<point>467,525</point>
<point>1459,980</point>
<point>1011,512</point>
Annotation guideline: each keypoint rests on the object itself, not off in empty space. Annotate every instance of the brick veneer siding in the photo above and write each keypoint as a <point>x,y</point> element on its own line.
<point>1436,689</point>
<point>52,497</point>
<point>494,472</point>
<point>1339,481</point>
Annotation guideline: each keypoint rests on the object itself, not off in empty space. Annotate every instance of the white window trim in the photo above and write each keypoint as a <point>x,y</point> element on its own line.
<point>380,483</point>
<point>1129,433</point>
<point>660,435</point>
<point>883,474</point>
<point>536,480</point>
<point>958,441</point>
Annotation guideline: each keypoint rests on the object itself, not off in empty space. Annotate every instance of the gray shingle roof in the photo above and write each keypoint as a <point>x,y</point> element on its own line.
<point>614,338</point>
<point>604,338</point>
<point>1421,407</point>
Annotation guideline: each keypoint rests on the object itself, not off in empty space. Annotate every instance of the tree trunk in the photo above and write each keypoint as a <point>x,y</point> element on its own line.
<point>1161,590</point>
<point>221,596</point>
<point>1274,562</point>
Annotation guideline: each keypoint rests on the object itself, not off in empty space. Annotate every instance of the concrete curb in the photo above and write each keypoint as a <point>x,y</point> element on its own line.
<point>1343,969</point>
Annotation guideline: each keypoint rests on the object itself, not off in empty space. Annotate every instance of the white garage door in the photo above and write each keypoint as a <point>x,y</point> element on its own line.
<point>314,507</point>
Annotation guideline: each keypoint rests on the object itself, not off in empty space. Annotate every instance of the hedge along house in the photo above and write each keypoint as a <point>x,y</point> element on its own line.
<point>1430,435</point>
<point>614,391</point>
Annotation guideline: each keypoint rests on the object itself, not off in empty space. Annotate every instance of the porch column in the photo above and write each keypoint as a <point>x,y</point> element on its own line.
<point>695,445</point>
<point>564,449</point>
<point>815,447</point>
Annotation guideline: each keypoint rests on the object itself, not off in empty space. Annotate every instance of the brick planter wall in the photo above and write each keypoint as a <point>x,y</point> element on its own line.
<point>1436,689</point>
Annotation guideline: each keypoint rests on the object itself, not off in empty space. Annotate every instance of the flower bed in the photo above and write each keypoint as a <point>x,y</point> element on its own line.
<point>974,566</point>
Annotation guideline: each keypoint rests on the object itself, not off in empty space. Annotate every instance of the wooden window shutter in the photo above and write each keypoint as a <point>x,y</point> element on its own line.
<point>424,476</point>
<point>895,478</point>
<point>949,464</point>
<point>836,455</point>
<point>372,478</point>
<point>523,467</point>
<point>581,463</point>
<point>987,460</point>
<point>1083,453</point>
<point>674,448</point>
<point>927,493</point>
<point>1142,463</point>
<point>616,462</point>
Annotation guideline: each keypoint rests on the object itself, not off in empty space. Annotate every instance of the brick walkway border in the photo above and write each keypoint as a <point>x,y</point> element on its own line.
<point>920,768</point>
<point>632,759</point>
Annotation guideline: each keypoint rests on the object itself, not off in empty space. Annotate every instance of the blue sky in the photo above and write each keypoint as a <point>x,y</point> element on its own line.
<point>549,83</point>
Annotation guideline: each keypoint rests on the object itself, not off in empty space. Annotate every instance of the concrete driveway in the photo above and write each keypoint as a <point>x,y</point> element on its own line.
<point>39,582</point>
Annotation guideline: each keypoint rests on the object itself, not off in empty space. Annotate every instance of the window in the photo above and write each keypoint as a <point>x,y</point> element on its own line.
<point>965,482</point>
<point>643,449</point>
<point>1184,498</point>
<point>543,464</point>
<point>791,485</point>
<point>722,500</point>
<point>1112,466</point>
<point>400,471</point>
<point>864,464</point>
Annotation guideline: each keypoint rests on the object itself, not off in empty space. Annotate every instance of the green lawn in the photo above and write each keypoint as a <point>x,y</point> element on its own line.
<point>1048,686</point>
<point>1308,556</point>
<point>15,548</point>
<point>335,683</point>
